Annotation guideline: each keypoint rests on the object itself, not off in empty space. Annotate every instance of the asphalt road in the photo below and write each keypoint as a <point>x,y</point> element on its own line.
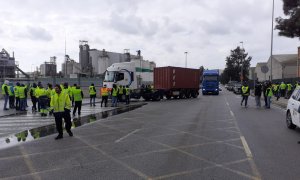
<point>211,137</point>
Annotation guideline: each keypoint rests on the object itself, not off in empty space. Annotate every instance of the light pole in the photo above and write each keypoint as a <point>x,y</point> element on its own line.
<point>186,59</point>
<point>242,67</point>
<point>271,73</point>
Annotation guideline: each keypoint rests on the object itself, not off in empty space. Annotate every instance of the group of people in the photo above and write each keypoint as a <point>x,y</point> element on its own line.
<point>58,101</point>
<point>268,90</point>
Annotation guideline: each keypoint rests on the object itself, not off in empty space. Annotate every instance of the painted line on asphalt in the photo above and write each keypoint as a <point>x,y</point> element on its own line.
<point>129,134</point>
<point>246,148</point>
<point>28,162</point>
<point>227,103</point>
<point>232,114</point>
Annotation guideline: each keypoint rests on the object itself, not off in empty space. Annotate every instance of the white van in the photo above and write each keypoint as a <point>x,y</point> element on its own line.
<point>293,110</point>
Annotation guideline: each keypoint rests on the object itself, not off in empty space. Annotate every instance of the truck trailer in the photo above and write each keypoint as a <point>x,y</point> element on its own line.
<point>163,82</point>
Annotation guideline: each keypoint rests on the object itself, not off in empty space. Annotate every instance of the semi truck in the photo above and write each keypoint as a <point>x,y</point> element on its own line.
<point>163,82</point>
<point>210,83</point>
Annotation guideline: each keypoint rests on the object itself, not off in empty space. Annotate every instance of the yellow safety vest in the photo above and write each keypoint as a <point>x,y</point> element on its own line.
<point>91,90</point>
<point>127,90</point>
<point>59,102</point>
<point>10,93</point>
<point>3,90</point>
<point>16,89</point>
<point>270,93</point>
<point>121,90</point>
<point>77,94</point>
<point>104,91</point>
<point>245,90</point>
<point>114,92</point>
<point>22,92</point>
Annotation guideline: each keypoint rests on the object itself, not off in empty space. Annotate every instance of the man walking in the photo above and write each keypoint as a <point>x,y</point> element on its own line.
<point>114,96</point>
<point>60,106</point>
<point>5,94</point>
<point>77,96</point>
<point>269,94</point>
<point>104,95</point>
<point>257,94</point>
<point>245,93</point>
<point>92,92</point>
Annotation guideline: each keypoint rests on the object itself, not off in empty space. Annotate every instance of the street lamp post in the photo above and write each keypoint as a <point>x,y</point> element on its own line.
<point>242,66</point>
<point>271,72</point>
<point>186,59</point>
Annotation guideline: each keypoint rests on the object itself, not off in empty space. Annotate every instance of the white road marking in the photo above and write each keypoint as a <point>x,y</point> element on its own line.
<point>232,114</point>
<point>124,137</point>
<point>246,147</point>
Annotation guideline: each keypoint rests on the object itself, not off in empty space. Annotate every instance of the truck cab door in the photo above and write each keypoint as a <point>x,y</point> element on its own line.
<point>294,102</point>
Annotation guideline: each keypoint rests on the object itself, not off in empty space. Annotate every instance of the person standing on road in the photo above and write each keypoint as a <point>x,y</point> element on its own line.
<point>11,96</point>
<point>257,93</point>
<point>72,95</point>
<point>22,95</point>
<point>264,89</point>
<point>120,94</point>
<point>60,105</point>
<point>92,91</point>
<point>33,97</point>
<point>41,94</point>
<point>289,90</point>
<point>5,94</point>
<point>114,96</point>
<point>127,94</point>
<point>282,89</point>
<point>245,93</point>
<point>16,90</point>
<point>104,95</point>
<point>269,94</point>
<point>77,95</point>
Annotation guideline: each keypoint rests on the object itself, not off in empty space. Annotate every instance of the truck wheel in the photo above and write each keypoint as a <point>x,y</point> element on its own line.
<point>168,97</point>
<point>188,95</point>
<point>289,122</point>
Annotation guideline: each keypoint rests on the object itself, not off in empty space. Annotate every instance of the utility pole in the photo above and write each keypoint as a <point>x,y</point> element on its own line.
<point>242,62</point>
<point>186,59</point>
<point>271,71</point>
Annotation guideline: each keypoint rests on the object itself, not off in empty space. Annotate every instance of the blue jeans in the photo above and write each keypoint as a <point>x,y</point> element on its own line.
<point>114,101</point>
<point>269,101</point>
<point>6,97</point>
<point>92,100</point>
<point>22,104</point>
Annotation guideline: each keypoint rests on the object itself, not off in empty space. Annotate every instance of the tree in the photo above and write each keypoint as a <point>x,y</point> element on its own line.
<point>289,27</point>
<point>234,63</point>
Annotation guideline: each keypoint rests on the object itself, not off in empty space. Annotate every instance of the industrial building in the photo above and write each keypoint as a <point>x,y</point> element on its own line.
<point>7,65</point>
<point>49,68</point>
<point>70,67</point>
<point>283,66</point>
<point>95,62</point>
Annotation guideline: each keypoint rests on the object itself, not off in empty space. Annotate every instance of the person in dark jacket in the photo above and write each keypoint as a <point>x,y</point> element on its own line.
<point>257,93</point>
<point>264,89</point>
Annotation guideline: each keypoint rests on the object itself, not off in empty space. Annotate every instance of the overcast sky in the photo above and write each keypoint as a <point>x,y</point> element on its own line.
<point>162,29</point>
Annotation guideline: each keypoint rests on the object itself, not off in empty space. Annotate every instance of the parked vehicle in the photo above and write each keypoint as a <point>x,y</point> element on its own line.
<point>210,83</point>
<point>293,110</point>
<point>237,88</point>
<point>230,85</point>
<point>169,82</point>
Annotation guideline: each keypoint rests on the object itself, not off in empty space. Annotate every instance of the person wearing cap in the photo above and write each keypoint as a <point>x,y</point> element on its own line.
<point>5,94</point>
<point>104,95</point>
<point>60,106</point>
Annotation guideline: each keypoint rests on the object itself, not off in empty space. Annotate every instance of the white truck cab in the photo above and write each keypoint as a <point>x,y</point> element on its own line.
<point>293,110</point>
<point>123,74</point>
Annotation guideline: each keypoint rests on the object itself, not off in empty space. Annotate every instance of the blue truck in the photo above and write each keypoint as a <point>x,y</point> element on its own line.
<point>210,82</point>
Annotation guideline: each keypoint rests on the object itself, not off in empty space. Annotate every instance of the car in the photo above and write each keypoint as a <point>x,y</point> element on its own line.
<point>237,88</point>
<point>293,110</point>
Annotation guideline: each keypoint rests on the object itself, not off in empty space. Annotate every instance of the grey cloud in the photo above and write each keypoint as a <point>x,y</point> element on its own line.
<point>133,25</point>
<point>36,33</point>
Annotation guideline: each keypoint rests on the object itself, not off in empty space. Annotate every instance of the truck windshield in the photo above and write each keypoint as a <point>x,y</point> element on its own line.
<point>109,76</point>
<point>211,78</point>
